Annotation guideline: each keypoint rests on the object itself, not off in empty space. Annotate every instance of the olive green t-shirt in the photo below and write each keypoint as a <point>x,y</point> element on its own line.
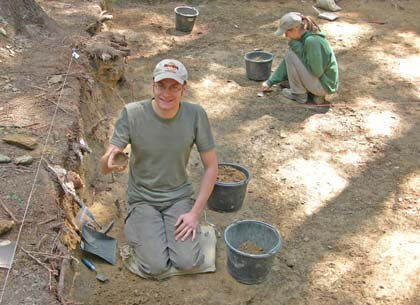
<point>160,149</point>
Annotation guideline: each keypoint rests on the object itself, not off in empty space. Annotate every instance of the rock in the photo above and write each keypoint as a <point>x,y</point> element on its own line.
<point>4,159</point>
<point>6,226</point>
<point>3,31</point>
<point>55,79</point>
<point>4,53</point>
<point>8,87</point>
<point>105,56</point>
<point>21,140</point>
<point>24,160</point>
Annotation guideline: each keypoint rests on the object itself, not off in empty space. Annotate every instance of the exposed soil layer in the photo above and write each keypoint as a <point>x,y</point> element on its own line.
<point>340,182</point>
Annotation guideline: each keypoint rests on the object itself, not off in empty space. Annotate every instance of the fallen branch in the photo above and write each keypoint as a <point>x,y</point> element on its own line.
<point>60,284</point>
<point>56,226</point>
<point>21,169</point>
<point>39,88</point>
<point>47,221</point>
<point>51,271</point>
<point>19,126</point>
<point>38,245</point>
<point>40,95</point>
<point>95,126</point>
<point>58,106</point>
<point>55,241</point>
<point>8,211</point>
<point>54,255</point>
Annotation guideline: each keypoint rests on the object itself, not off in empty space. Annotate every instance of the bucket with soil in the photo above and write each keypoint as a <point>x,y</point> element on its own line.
<point>251,249</point>
<point>258,65</point>
<point>185,18</point>
<point>230,188</point>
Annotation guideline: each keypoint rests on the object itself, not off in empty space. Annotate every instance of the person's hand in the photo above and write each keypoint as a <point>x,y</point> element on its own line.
<point>115,166</point>
<point>264,86</point>
<point>185,226</point>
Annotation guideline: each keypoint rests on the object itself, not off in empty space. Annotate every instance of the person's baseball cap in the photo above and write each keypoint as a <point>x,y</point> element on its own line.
<point>170,68</point>
<point>288,22</point>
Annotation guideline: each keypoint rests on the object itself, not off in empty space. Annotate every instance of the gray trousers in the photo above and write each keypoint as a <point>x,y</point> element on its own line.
<point>149,228</point>
<point>300,79</point>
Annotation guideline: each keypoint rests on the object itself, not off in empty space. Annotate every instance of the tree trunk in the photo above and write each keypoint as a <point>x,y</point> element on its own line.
<point>21,13</point>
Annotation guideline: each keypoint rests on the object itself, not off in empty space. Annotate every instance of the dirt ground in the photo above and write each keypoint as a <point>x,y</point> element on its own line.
<point>341,183</point>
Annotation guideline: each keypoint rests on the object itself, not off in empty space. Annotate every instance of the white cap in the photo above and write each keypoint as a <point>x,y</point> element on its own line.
<point>170,68</point>
<point>288,22</point>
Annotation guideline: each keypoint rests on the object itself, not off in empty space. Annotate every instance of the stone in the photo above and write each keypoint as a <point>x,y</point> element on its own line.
<point>4,159</point>
<point>24,160</point>
<point>4,53</point>
<point>6,226</point>
<point>21,140</point>
<point>3,31</point>
<point>55,79</point>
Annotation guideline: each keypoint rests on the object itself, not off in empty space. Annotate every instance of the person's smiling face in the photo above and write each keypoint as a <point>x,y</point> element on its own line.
<point>167,96</point>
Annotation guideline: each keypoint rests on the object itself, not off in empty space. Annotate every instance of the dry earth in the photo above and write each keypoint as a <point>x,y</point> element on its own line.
<point>341,183</point>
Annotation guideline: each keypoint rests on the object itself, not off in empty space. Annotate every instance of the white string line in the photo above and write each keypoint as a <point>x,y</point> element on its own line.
<point>34,182</point>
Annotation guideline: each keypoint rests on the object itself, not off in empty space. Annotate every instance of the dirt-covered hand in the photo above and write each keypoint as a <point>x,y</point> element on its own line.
<point>264,86</point>
<point>185,226</point>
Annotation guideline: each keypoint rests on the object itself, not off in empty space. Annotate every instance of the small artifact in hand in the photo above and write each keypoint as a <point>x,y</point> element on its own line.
<point>120,159</point>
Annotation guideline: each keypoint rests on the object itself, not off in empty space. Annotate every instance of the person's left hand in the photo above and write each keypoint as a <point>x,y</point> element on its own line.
<point>264,86</point>
<point>186,225</point>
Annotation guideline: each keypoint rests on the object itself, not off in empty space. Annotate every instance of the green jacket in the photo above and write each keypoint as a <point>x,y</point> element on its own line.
<point>316,54</point>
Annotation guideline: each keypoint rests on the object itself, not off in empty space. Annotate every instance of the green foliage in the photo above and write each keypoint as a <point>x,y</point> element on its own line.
<point>16,198</point>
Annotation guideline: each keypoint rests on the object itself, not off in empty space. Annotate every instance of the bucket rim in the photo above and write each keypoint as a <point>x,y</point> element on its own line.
<point>239,167</point>
<point>270,253</point>
<point>260,61</point>
<point>189,7</point>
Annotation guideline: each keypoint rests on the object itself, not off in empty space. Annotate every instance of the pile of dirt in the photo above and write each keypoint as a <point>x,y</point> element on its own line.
<point>250,248</point>
<point>230,174</point>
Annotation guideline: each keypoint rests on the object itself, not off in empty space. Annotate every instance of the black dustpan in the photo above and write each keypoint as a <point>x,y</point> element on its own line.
<point>99,244</point>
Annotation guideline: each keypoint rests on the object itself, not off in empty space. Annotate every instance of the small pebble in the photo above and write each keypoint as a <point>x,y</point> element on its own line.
<point>4,159</point>
<point>24,160</point>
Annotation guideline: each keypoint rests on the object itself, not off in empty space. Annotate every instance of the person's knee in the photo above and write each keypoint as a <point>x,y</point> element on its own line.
<point>289,55</point>
<point>188,262</point>
<point>155,267</point>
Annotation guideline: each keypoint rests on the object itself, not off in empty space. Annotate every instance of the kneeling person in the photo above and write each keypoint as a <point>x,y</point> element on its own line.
<point>162,222</point>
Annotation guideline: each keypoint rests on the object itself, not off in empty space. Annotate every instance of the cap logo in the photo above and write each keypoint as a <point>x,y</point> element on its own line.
<point>171,68</point>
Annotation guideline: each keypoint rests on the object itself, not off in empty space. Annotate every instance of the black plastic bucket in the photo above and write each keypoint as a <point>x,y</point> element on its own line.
<point>229,196</point>
<point>185,18</point>
<point>245,267</point>
<point>258,65</point>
